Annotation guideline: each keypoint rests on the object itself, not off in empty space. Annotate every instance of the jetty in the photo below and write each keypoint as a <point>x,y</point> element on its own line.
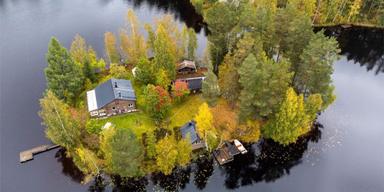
<point>28,154</point>
<point>226,152</point>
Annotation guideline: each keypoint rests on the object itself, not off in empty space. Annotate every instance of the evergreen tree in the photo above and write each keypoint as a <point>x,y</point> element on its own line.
<point>145,73</point>
<point>264,84</point>
<point>210,88</point>
<point>316,67</point>
<point>228,75</point>
<point>64,77</point>
<point>122,152</point>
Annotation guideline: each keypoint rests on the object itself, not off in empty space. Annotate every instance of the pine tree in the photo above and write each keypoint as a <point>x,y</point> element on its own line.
<point>145,72</point>
<point>210,88</point>
<point>264,84</point>
<point>122,152</point>
<point>316,67</point>
<point>64,77</point>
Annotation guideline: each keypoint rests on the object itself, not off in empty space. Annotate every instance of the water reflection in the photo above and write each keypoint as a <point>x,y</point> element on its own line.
<point>362,45</point>
<point>182,10</point>
<point>265,161</point>
<point>69,168</point>
<point>271,163</point>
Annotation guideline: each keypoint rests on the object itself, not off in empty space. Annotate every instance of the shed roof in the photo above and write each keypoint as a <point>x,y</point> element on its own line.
<point>189,129</point>
<point>186,64</point>
<point>109,91</point>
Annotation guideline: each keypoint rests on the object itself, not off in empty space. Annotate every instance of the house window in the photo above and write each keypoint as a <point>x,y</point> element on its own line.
<point>130,105</point>
<point>113,108</point>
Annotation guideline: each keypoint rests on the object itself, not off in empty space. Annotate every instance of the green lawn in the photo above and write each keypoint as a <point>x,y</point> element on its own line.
<point>138,122</point>
<point>185,111</point>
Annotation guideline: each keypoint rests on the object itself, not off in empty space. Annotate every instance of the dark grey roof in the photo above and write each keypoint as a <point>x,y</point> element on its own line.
<point>114,89</point>
<point>189,129</point>
<point>194,84</point>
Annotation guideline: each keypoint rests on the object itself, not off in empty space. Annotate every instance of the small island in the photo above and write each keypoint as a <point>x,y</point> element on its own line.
<point>151,105</point>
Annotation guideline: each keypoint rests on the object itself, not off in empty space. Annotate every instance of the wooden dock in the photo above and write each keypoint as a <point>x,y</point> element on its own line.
<point>28,154</point>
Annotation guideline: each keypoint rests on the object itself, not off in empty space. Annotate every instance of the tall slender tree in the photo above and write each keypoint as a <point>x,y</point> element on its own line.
<point>111,47</point>
<point>64,77</point>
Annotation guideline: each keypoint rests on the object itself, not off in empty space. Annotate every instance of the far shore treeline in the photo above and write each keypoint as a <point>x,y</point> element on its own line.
<point>267,76</point>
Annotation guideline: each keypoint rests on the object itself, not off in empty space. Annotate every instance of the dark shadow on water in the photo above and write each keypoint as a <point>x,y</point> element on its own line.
<point>182,10</point>
<point>176,181</point>
<point>202,171</point>
<point>69,168</point>
<point>362,45</point>
<point>267,161</point>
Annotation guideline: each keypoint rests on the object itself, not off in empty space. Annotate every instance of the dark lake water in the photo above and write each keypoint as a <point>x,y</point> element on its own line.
<point>344,153</point>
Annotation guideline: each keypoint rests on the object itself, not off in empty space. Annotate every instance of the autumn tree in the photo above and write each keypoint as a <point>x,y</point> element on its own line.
<point>316,67</point>
<point>132,42</point>
<point>180,90</point>
<point>122,152</point>
<point>192,44</point>
<point>248,132</point>
<point>86,58</point>
<point>64,77</point>
<point>166,154</point>
<point>111,48</point>
<point>264,84</point>
<point>293,118</point>
<point>157,102</point>
<point>87,161</point>
<point>164,53</point>
<point>225,119</point>
<point>205,127</point>
<point>61,128</point>
<point>184,151</point>
<point>119,71</point>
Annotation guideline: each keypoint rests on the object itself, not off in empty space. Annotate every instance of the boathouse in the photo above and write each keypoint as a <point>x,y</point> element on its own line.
<point>112,97</point>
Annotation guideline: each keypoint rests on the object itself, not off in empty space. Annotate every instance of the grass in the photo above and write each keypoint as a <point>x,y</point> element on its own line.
<point>185,111</point>
<point>138,122</point>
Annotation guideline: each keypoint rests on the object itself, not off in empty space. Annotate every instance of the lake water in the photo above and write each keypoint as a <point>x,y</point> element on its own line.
<point>345,153</point>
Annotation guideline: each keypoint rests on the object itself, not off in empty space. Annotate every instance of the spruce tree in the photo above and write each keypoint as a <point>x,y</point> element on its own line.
<point>64,77</point>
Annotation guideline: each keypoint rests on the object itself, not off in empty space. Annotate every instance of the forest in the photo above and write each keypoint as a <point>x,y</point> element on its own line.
<point>268,76</point>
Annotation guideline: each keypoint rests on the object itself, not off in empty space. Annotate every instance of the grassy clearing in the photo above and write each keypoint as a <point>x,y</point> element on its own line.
<point>185,111</point>
<point>138,122</point>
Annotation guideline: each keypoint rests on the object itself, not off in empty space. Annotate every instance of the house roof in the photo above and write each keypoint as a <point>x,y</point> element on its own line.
<point>186,64</point>
<point>109,91</point>
<point>189,129</point>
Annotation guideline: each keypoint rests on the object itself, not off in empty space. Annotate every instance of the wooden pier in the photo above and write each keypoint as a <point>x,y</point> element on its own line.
<point>28,154</point>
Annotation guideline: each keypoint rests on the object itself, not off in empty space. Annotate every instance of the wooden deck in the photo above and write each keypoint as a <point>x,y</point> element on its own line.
<point>225,153</point>
<point>28,154</point>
